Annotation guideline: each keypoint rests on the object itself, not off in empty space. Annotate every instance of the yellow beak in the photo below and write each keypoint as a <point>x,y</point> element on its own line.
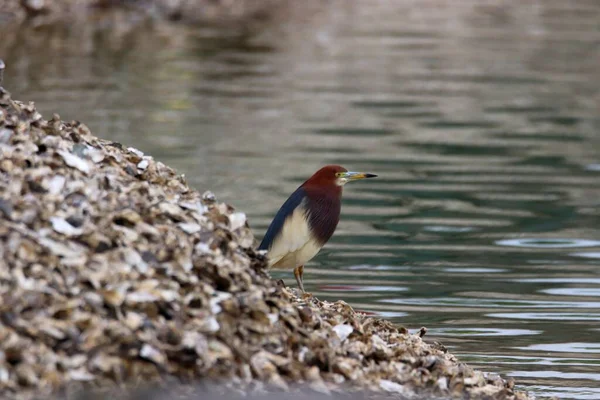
<point>355,176</point>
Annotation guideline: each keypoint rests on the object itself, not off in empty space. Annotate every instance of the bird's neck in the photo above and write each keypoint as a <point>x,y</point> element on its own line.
<point>329,192</point>
<point>323,206</point>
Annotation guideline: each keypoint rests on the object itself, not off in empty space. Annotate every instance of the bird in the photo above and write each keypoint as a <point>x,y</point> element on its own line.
<point>307,220</point>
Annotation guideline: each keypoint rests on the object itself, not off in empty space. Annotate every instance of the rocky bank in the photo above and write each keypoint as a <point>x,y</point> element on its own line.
<point>190,11</point>
<point>115,273</point>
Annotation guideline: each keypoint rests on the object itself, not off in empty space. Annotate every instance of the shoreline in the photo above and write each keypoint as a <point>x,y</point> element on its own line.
<point>119,274</point>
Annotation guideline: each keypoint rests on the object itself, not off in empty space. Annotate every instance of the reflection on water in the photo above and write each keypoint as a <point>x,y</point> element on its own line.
<point>480,118</point>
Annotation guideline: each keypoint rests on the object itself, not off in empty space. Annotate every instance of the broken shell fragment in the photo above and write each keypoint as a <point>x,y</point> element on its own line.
<point>237,220</point>
<point>60,225</point>
<point>73,161</point>
<point>149,353</point>
<point>343,331</point>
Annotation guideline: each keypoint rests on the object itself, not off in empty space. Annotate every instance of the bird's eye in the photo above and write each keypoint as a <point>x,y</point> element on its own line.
<point>338,174</point>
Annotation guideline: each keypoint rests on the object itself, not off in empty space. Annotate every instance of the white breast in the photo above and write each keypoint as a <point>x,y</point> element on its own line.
<point>295,245</point>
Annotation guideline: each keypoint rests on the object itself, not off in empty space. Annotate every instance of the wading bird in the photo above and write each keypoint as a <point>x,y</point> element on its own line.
<point>307,219</point>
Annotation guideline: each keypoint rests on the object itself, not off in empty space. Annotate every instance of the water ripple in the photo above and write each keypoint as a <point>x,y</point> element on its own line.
<point>564,392</point>
<point>550,243</point>
<point>587,255</point>
<point>564,347</point>
<point>556,375</point>
<point>495,303</point>
<point>548,316</point>
<point>476,270</point>
<point>356,288</point>
<point>594,292</point>
<point>467,331</point>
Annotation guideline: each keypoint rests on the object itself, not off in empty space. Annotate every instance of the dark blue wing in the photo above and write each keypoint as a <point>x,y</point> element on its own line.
<point>285,211</point>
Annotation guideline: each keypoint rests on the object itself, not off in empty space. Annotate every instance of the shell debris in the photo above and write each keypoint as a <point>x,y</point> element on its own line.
<point>126,276</point>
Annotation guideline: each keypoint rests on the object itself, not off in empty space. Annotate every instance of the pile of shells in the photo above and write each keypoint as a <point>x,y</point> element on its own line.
<point>194,11</point>
<point>114,273</point>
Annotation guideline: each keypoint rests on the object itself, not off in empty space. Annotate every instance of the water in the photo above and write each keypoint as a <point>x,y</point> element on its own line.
<point>481,119</point>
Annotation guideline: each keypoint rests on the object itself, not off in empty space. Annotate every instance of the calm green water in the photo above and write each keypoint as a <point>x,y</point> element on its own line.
<point>482,121</point>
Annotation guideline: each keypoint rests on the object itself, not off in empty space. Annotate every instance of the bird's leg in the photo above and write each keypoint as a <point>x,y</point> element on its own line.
<point>298,271</point>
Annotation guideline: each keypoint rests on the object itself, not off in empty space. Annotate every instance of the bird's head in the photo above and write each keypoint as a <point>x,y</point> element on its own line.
<point>335,176</point>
